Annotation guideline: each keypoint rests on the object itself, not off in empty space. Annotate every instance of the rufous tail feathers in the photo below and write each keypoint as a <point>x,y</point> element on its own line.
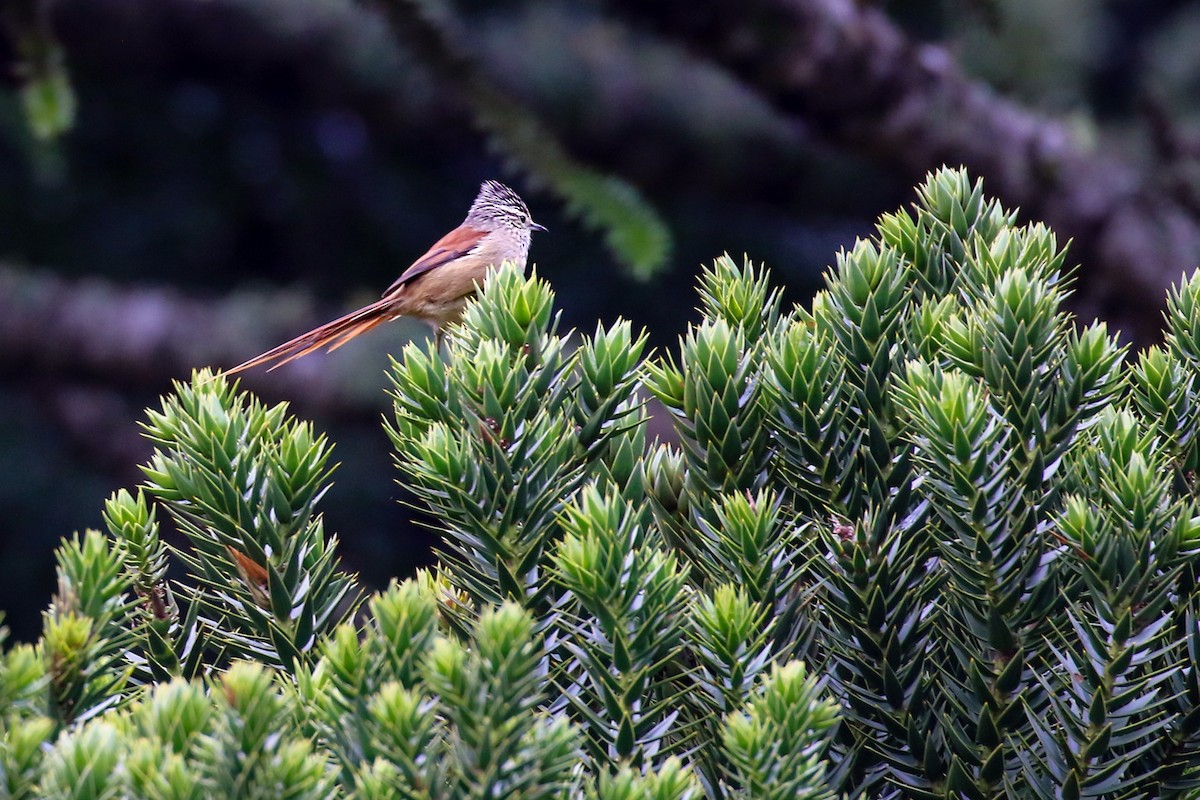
<point>332,335</point>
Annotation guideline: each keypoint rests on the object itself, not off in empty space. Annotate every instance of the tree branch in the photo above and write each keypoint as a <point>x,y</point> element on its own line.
<point>98,331</point>
<point>857,80</point>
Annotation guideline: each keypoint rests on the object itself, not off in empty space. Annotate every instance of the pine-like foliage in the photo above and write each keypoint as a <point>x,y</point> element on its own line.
<point>925,537</point>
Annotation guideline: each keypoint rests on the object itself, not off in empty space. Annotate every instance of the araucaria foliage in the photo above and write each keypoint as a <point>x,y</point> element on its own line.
<point>926,537</point>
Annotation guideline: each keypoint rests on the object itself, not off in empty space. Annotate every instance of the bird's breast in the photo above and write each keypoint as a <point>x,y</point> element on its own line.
<point>440,294</point>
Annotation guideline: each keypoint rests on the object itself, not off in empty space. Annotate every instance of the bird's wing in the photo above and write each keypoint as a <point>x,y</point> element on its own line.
<point>454,244</point>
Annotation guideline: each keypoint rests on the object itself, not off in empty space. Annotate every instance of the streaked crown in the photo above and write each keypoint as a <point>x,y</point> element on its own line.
<point>496,204</point>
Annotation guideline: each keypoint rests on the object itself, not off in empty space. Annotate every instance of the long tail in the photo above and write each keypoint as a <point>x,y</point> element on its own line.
<point>332,335</point>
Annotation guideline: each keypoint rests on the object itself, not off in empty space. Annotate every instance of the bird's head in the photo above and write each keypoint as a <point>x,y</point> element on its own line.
<point>496,205</point>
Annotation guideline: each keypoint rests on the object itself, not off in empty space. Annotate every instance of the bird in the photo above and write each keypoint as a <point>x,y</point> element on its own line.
<point>437,285</point>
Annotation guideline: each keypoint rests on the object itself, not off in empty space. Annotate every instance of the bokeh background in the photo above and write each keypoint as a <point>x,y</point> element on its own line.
<point>185,183</point>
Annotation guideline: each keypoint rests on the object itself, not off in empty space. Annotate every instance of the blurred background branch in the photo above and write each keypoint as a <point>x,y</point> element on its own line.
<point>850,75</point>
<point>92,329</point>
<point>202,156</point>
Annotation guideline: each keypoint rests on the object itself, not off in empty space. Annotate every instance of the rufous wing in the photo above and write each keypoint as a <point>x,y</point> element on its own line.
<point>455,244</point>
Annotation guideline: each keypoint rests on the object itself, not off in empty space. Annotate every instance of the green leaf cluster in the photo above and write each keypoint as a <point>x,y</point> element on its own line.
<point>924,537</point>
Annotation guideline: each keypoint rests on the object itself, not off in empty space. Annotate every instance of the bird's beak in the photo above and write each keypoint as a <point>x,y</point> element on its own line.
<point>533,226</point>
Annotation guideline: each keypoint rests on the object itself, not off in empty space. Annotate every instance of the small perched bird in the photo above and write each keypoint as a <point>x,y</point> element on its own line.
<point>436,287</point>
